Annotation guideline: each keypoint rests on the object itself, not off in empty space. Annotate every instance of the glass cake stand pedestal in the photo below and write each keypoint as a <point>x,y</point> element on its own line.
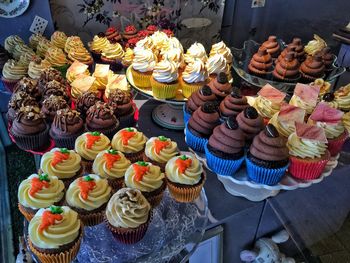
<point>169,114</point>
<point>173,235</point>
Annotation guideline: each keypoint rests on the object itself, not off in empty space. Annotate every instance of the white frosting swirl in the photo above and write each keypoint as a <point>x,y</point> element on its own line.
<point>165,71</point>
<point>144,60</point>
<point>216,64</point>
<point>195,72</point>
<point>196,50</point>
<point>221,48</point>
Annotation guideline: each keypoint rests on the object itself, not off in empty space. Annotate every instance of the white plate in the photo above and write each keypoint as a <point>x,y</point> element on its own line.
<point>13,8</point>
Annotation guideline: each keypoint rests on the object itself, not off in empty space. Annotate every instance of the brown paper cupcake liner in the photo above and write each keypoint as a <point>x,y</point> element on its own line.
<point>26,213</point>
<point>161,165</point>
<point>32,142</point>
<point>307,78</point>
<point>186,193</point>
<point>116,183</point>
<point>142,79</point>
<point>108,132</point>
<point>156,196</point>
<point>86,166</point>
<point>62,257</point>
<point>134,157</point>
<point>92,219</point>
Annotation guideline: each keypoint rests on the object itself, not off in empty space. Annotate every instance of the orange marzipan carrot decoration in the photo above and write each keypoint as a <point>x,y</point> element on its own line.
<point>36,185</point>
<point>183,164</point>
<point>59,157</point>
<point>140,171</point>
<point>111,159</point>
<point>160,145</point>
<point>48,219</point>
<point>85,187</point>
<point>91,139</point>
<point>126,136</point>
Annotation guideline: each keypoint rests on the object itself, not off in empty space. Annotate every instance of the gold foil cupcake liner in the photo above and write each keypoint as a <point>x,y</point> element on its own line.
<point>142,79</point>
<point>164,90</point>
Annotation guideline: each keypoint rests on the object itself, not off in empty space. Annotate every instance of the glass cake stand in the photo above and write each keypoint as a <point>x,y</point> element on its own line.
<point>169,114</point>
<point>173,235</point>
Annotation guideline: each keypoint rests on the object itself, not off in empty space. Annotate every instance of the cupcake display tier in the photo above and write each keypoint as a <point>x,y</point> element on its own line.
<point>243,56</point>
<point>168,115</point>
<point>174,233</point>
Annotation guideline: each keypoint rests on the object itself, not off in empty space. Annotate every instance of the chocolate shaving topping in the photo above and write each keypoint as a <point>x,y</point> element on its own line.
<point>120,97</point>
<point>29,113</point>
<point>100,110</point>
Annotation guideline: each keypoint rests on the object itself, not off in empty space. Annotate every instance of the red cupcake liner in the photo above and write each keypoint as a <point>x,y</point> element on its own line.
<point>308,169</point>
<point>335,145</point>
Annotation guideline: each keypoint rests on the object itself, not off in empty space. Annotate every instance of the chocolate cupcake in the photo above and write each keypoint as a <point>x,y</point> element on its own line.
<point>220,86</point>
<point>233,104</point>
<point>327,58</point>
<point>298,49</point>
<point>122,105</point>
<point>48,75</point>
<point>288,49</point>
<point>129,32</point>
<point>225,148</point>
<point>272,46</point>
<point>18,100</point>
<point>261,63</point>
<point>268,157</point>
<point>100,117</point>
<point>54,87</point>
<point>29,129</point>
<point>250,122</point>
<point>287,69</point>
<point>29,86</point>
<point>113,34</point>
<point>66,127</point>
<point>4,56</point>
<point>196,100</point>
<point>51,105</point>
<point>201,125</point>
<point>85,101</point>
<point>312,68</point>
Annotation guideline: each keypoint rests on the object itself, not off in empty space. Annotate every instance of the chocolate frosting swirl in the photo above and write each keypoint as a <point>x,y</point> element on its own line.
<point>49,75</point>
<point>54,87</point>
<point>28,86</point>
<point>288,49</point>
<point>28,121</point>
<point>85,101</point>
<point>20,99</point>
<point>100,116</point>
<point>298,48</point>
<point>220,86</point>
<point>313,66</point>
<point>261,62</point>
<point>233,104</point>
<point>327,57</point>
<point>203,122</point>
<point>199,97</point>
<point>67,122</point>
<point>51,105</point>
<point>120,101</point>
<point>250,122</point>
<point>272,46</point>
<point>288,67</point>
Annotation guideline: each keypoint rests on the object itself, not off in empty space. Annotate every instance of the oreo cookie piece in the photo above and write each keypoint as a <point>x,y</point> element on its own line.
<point>250,113</point>
<point>209,107</point>
<point>236,93</point>
<point>232,123</point>
<point>267,164</point>
<point>328,97</point>
<point>222,78</point>
<point>223,155</point>
<point>271,131</point>
<point>205,90</point>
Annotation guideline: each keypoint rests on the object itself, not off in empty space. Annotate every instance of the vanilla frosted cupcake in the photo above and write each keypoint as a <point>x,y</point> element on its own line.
<point>185,177</point>
<point>222,49</point>
<point>26,58</point>
<point>305,97</point>
<point>98,43</point>
<point>58,39</point>
<point>128,57</point>
<point>217,63</point>
<point>102,73</point>
<point>194,77</point>
<point>113,55</point>
<point>88,196</point>
<point>42,47</point>
<point>196,50</point>
<point>159,150</point>
<point>142,67</point>
<point>131,142</point>
<point>175,55</point>
<point>39,191</point>
<point>111,165</point>
<point>147,178</point>
<point>63,163</point>
<point>12,72</point>
<point>11,42</point>
<point>36,67</point>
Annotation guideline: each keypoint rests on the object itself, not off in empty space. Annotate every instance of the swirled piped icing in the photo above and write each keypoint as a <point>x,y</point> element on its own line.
<point>304,148</point>
<point>129,140</point>
<point>144,60</point>
<point>99,43</point>
<point>195,72</point>
<point>222,49</point>
<point>165,71</point>
<point>196,51</point>
<point>13,70</point>
<point>217,63</point>
<point>59,39</point>
<point>89,144</point>
<point>127,208</point>
<point>160,149</point>
<point>113,51</point>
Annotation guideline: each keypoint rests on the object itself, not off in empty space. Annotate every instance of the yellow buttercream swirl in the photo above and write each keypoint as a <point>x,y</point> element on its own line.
<point>90,153</point>
<point>298,102</point>
<point>304,148</point>
<point>283,128</point>
<point>144,60</point>
<point>191,176</point>
<point>43,198</point>
<point>14,71</point>
<point>42,47</point>
<point>61,233</point>
<point>96,198</point>
<point>59,39</point>
<point>222,49</point>
<point>325,86</point>
<point>135,143</point>
<point>165,154</point>
<point>75,70</point>
<point>99,43</point>
<point>342,98</point>
<point>346,121</point>
<point>113,51</point>
<point>11,42</point>
<point>265,107</point>
<point>175,55</point>
<point>56,57</point>
<point>332,130</point>
<point>116,171</point>
<point>128,57</point>
<point>81,54</point>
<point>127,208</point>
<point>35,68</point>
<point>151,180</point>
<point>63,170</point>
<point>72,42</point>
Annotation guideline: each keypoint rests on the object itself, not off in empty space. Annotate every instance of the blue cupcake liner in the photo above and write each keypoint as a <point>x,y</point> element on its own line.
<point>222,166</point>
<point>194,142</point>
<point>262,175</point>
<point>187,115</point>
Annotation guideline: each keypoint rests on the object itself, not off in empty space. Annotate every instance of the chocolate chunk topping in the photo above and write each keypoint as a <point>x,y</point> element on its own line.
<point>232,123</point>
<point>271,131</point>
<point>329,96</point>
<point>251,113</point>
<point>236,93</point>
<point>101,34</point>
<point>205,90</point>
<point>222,78</point>
<point>209,107</point>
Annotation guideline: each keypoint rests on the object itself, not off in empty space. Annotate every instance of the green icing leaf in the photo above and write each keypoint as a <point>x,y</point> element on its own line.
<point>162,138</point>
<point>142,163</point>
<point>64,150</point>
<point>130,129</point>
<point>183,157</point>
<point>56,209</point>
<point>95,133</point>
<point>112,151</point>
<point>88,178</point>
<point>44,177</point>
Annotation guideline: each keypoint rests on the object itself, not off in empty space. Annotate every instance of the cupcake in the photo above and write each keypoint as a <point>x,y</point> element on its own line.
<point>11,42</point>
<point>220,86</point>
<point>146,43</point>
<point>305,97</point>
<point>142,67</point>
<point>128,57</point>
<point>21,49</point>
<point>222,49</point>
<point>284,120</point>
<point>196,50</point>
<point>194,77</point>
<point>111,165</point>
<point>268,158</point>
<point>342,98</point>
<point>272,46</point>
<point>29,86</point>
<point>99,42</point>
<point>269,101</point>
<point>159,150</point>
<point>330,120</point>
<point>82,85</point>
<point>287,69</point>
<point>324,86</point>
<point>225,148</point>
<point>80,54</point>
<point>175,55</point>
<point>129,32</point>
<point>88,196</point>
<point>215,64</point>
<point>48,75</point>
<point>63,163</point>
<point>76,70</point>
<point>289,49</point>
<point>85,101</point>
<point>100,117</point>
<point>327,58</point>
<point>298,48</point>
<point>128,214</point>
<point>112,34</point>
<point>233,104</point>
<point>201,126</point>
<point>122,105</point>
<point>19,99</point>
<point>26,58</point>
<point>131,43</point>
<point>29,129</point>
<point>51,105</point>
<point>308,151</point>
<point>113,55</point>
<point>151,29</point>
<point>4,56</point>
<point>12,72</point>
<point>66,127</point>
<point>312,68</point>
<point>164,80</point>
<point>72,42</point>
<point>346,121</point>
<point>56,57</point>
<point>130,142</point>
<point>101,73</point>
<point>55,234</point>
<point>250,122</point>
<point>261,63</point>
<point>36,67</point>
<point>115,82</point>
<point>42,47</point>
<point>39,191</point>
<point>88,145</point>
<point>185,178</point>
<point>147,178</point>
<point>55,88</point>
<point>58,39</point>
<point>34,40</point>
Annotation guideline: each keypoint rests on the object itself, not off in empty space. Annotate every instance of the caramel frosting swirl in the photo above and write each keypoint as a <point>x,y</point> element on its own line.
<point>221,48</point>
<point>56,57</point>
<point>165,71</point>
<point>164,154</point>
<point>304,148</point>
<point>128,57</point>
<point>144,60</point>
<point>195,72</point>
<point>82,146</point>
<point>59,39</point>
<point>135,144</point>
<point>72,42</point>
<point>117,170</point>
<point>113,51</point>
<point>13,71</point>
<point>98,44</point>
<point>81,54</point>
<point>42,47</point>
